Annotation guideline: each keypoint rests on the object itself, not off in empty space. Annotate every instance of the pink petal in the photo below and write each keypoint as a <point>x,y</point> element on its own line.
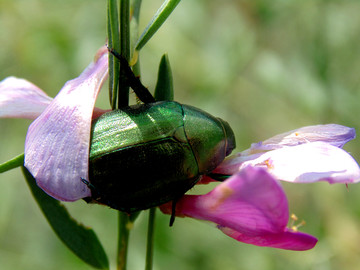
<point>285,240</point>
<point>98,112</point>
<point>21,99</point>
<point>233,163</point>
<point>250,206</point>
<point>204,180</point>
<point>333,134</point>
<point>310,162</point>
<point>57,142</point>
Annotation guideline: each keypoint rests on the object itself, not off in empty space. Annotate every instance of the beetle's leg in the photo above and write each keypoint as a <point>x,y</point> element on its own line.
<point>173,212</point>
<point>134,82</point>
<point>97,196</point>
<point>218,176</point>
<point>94,193</point>
<point>86,182</point>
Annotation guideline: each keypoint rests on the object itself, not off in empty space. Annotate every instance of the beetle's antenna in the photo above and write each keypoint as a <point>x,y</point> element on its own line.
<point>134,82</point>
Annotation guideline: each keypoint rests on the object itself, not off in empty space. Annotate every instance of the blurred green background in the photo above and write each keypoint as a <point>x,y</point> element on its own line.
<point>264,66</point>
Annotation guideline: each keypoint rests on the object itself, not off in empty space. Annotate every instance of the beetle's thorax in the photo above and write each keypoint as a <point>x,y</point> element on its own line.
<point>210,138</point>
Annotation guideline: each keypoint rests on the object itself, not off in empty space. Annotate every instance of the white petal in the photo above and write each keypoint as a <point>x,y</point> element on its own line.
<point>20,98</point>
<point>333,134</point>
<point>57,143</point>
<point>310,162</point>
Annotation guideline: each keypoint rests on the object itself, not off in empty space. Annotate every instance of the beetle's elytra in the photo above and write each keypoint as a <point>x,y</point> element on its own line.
<point>145,155</point>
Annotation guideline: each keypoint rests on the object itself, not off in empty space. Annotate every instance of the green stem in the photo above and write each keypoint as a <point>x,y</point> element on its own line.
<point>125,221</point>
<point>125,225</point>
<point>113,43</point>
<point>12,163</point>
<point>150,239</point>
<point>123,96</point>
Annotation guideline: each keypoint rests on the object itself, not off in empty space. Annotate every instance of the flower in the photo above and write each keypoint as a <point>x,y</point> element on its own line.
<point>250,206</point>
<point>57,142</point>
<point>308,154</point>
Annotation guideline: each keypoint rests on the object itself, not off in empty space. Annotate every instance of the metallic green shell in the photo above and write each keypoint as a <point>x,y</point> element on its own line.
<point>149,154</point>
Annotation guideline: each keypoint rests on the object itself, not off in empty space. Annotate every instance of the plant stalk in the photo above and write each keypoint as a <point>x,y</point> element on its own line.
<point>150,239</point>
<point>125,225</point>
<point>123,95</point>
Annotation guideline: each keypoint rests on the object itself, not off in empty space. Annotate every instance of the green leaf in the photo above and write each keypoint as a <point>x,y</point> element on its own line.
<point>79,239</point>
<point>12,163</point>
<point>134,23</point>
<point>134,35</point>
<point>159,18</point>
<point>164,89</point>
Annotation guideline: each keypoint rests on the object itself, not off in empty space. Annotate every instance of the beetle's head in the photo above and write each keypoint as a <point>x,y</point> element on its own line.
<point>210,138</point>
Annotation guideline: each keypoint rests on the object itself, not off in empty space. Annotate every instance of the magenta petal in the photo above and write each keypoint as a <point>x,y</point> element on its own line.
<point>285,240</point>
<point>310,162</point>
<point>333,134</point>
<point>250,204</point>
<point>21,99</point>
<point>57,142</point>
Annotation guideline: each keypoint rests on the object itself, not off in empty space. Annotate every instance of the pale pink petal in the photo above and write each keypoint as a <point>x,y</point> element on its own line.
<point>21,99</point>
<point>57,142</point>
<point>310,162</point>
<point>333,134</point>
<point>250,206</point>
<point>232,164</point>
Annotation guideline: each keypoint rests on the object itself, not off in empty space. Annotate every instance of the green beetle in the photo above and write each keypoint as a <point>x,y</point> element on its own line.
<point>146,155</point>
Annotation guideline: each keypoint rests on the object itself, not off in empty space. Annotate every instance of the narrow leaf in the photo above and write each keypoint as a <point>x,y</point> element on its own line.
<point>79,239</point>
<point>12,163</point>
<point>164,89</point>
<point>134,35</point>
<point>134,23</point>
<point>159,18</point>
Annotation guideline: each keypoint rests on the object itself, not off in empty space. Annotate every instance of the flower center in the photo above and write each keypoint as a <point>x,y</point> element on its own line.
<point>294,227</point>
<point>269,164</point>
